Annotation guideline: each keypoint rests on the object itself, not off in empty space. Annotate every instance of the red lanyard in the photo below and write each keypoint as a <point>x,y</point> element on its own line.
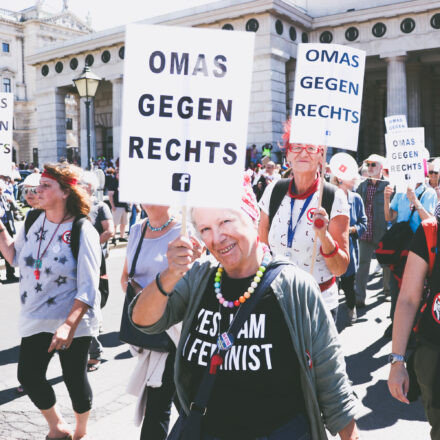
<point>39,258</point>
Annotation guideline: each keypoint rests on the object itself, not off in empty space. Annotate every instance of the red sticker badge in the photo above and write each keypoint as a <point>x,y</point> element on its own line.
<point>66,237</point>
<point>342,168</point>
<point>436,308</point>
<point>310,214</point>
<point>309,359</point>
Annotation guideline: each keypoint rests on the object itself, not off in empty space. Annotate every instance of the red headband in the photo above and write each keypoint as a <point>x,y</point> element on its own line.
<point>64,180</point>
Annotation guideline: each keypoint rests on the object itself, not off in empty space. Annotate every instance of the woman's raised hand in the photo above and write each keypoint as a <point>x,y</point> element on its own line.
<point>182,252</point>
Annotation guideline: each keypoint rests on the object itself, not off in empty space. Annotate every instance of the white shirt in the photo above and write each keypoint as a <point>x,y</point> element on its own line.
<point>302,245</point>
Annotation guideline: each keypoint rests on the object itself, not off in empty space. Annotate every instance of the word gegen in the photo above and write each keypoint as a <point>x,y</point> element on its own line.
<point>202,110</point>
<point>334,84</point>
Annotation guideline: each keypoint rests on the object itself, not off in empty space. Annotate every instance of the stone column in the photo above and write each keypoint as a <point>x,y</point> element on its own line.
<point>413,71</point>
<point>117,114</point>
<point>83,132</point>
<point>51,124</point>
<point>428,110</point>
<point>268,99</point>
<point>396,86</point>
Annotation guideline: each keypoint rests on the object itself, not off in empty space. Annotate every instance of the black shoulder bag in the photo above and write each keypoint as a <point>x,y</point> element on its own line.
<point>190,427</point>
<point>128,332</point>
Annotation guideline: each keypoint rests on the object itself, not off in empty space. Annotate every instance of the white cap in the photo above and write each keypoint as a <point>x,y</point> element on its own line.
<point>32,180</point>
<point>375,158</point>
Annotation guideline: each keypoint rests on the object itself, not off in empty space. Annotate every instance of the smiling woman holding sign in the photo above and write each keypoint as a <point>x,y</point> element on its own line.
<point>258,355</point>
<point>291,219</point>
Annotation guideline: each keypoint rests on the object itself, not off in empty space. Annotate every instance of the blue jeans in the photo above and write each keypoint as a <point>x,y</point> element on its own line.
<point>296,429</point>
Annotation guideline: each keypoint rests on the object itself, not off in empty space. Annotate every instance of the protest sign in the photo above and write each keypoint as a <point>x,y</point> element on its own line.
<point>327,100</point>
<point>185,115</point>
<point>6,127</point>
<point>405,157</point>
<point>396,122</point>
<point>343,166</point>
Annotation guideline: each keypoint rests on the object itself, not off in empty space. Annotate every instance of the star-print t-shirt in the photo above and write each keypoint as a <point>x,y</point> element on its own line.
<point>258,386</point>
<point>47,302</point>
<point>302,244</point>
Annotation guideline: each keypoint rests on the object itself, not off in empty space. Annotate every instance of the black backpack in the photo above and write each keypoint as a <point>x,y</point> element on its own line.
<point>394,246</point>
<point>74,246</point>
<point>280,190</point>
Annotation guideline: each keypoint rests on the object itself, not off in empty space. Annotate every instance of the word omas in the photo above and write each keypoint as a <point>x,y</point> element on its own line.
<point>252,357</point>
<point>180,64</point>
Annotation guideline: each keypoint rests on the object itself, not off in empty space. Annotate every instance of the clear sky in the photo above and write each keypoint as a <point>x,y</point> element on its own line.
<point>109,13</point>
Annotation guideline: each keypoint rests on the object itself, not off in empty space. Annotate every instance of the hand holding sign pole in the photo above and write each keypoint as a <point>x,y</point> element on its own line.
<point>327,100</point>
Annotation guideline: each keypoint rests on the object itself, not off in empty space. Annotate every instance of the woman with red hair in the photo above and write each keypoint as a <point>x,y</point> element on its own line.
<point>59,295</point>
<point>291,230</point>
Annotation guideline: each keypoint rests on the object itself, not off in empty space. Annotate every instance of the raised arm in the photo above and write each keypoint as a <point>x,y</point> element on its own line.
<point>151,303</point>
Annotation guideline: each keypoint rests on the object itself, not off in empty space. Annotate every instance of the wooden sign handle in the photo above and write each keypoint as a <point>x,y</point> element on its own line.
<point>184,230</point>
<point>321,191</point>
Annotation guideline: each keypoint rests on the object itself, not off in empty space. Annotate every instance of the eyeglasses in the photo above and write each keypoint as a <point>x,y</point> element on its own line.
<point>432,172</point>
<point>311,149</point>
<point>27,191</point>
<point>370,164</point>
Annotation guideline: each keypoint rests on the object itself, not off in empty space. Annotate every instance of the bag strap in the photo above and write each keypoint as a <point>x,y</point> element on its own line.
<point>430,230</point>
<point>31,217</point>
<point>75,235</point>
<point>198,407</point>
<point>136,255</point>
<point>413,210</point>
<point>328,197</point>
<point>279,191</point>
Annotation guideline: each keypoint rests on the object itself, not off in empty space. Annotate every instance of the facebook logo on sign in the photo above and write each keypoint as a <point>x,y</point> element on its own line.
<point>181,182</point>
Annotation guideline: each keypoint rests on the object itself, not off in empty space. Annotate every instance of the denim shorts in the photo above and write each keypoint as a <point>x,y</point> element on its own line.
<point>295,429</point>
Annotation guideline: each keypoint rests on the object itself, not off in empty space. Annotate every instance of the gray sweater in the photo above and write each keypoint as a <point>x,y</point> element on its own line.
<point>327,391</point>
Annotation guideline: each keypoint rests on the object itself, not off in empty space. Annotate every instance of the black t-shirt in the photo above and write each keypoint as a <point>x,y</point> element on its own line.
<point>258,386</point>
<point>418,244</point>
<point>114,186</point>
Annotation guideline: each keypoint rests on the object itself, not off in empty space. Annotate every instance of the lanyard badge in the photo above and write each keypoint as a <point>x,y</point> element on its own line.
<point>290,229</point>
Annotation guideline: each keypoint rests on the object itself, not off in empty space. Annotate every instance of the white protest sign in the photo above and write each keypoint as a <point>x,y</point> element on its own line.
<point>405,157</point>
<point>185,115</point>
<point>396,122</point>
<point>6,127</point>
<point>327,100</point>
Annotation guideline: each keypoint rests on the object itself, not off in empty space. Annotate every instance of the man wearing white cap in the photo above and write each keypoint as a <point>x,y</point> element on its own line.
<point>372,194</point>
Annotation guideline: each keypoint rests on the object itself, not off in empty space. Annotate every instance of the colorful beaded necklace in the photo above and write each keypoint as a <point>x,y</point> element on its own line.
<point>251,289</point>
<point>160,228</point>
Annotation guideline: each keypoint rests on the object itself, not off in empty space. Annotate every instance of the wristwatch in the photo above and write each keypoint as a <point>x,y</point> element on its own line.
<point>393,358</point>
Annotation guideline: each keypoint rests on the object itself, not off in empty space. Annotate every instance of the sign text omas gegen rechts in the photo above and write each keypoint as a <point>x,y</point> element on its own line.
<point>185,115</point>
<point>185,107</point>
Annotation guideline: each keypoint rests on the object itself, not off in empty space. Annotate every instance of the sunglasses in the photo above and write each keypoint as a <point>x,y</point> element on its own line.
<point>311,149</point>
<point>371,164</point>
<point>27,191</point>
<point>432,172</point>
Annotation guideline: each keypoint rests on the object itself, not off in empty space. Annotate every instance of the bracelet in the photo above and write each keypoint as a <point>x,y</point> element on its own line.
<point>332,253</point>
<point>160,287</point>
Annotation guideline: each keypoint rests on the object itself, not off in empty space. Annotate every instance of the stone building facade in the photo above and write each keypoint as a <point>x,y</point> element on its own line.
<point>23,33</point>
<point>401,39</point>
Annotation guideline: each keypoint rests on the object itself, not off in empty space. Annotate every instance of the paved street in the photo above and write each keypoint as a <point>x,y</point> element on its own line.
<point>366,355</point>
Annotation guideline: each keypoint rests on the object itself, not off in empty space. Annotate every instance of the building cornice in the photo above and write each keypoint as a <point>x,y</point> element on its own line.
<point>86,43</point>
<point>376,13</point>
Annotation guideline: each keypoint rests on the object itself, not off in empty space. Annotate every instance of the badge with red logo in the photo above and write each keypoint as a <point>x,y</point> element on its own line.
<point>342,168</point>
<point>436,308</point>
<point>309,359</point>
<point>66,237</point>
<point>310,214</point>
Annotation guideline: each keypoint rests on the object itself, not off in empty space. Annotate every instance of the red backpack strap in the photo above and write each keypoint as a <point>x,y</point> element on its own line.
<point>430,229</point>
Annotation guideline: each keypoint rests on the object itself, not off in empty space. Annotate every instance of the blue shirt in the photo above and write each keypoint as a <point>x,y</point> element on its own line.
<point>402,206</point>
<point>359,220</point>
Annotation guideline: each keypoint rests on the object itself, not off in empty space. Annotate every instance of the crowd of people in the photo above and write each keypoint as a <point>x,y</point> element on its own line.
<point>234,320</point>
